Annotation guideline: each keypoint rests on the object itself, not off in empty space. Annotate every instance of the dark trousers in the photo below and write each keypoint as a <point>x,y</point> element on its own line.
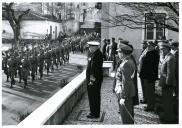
<point>19,73</point>
<point>94,98</point>
<point>143,89</point>
<point>167,101</point>
<point>41,71</point>
<point>150,92</point>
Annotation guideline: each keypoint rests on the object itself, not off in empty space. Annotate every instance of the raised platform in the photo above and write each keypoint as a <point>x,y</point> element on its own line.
<point>107,68</point>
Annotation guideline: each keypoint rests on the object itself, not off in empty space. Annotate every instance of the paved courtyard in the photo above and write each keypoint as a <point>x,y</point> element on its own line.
<point>109,109</point>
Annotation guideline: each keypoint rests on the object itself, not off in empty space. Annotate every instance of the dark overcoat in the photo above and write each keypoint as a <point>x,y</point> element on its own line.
<point>94,72</point>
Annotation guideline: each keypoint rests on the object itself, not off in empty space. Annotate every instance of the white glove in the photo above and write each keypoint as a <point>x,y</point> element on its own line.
<point>118,89</point>
<point>121,101</point>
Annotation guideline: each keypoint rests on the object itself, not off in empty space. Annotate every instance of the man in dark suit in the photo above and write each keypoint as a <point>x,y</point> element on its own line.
<point>94,78</point>
<point>144,46</point>
<point>149,73</point>
<point>175,52</point>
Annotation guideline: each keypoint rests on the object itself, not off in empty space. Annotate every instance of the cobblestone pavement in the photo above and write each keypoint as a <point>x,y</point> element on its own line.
<point>108,105</point>
<point>17,100</point>
<point>109,109</point>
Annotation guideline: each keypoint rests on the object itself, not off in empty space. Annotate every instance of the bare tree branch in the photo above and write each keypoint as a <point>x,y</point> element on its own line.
<point>136,17</point>
<point>24,13</point>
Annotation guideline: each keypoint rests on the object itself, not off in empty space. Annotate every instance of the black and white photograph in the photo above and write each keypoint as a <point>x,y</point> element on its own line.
<point>90,63</point>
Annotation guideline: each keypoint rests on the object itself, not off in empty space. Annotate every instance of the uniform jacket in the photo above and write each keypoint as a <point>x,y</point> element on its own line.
<point>149,65</point>
<point>176,54</point>
<point>25,68</point>
<point>124,78</point>
<point>94,67</point>
<point>167,71</point>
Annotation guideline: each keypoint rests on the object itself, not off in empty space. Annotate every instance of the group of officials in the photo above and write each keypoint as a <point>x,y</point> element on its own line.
<point>158,61</point>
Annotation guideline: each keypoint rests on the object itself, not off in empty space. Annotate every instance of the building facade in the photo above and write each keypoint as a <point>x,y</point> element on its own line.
<point>134,36</point>
<point>53,18</point>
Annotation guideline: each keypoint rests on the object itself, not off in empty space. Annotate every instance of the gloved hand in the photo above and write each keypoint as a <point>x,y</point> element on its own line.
<point>121,101</point>
<point>117,89</point>
<point>90,83</point>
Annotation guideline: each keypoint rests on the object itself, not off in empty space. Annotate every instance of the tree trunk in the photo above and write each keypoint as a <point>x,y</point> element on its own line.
<point>16,37</point>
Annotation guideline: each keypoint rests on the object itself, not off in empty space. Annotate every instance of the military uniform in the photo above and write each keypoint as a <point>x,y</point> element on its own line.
<point>41,64</point>
<point>167,82</point>
<point>48,60</point>
<point>5,66</point>
<point>58,56</point>
<point>25,70</point>
<point>94,74</point>
<point>12,69</point>
<point>125,88</point>
<point>32,67</point>
<point>19,65</point>
<point>54,60</point>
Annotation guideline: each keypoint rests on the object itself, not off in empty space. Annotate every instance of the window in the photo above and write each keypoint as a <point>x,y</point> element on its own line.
<point>154,26</point>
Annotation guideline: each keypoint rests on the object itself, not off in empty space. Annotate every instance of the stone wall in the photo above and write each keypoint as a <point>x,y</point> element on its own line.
<point>57,108</point>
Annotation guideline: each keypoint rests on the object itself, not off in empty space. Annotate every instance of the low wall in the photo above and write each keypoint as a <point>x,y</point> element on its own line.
<point>55,109</point>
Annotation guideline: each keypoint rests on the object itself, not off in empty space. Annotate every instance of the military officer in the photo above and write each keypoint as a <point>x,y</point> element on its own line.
<point>167,81</point>
<point>94,77</point>
<point>125,88</point>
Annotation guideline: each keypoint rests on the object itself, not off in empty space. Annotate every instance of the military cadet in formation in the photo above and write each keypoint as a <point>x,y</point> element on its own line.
<point>12,69</point>
<point>26,59</point>
<point>41,63</point>
<point>58,56</point>
<point>5,65</point>
<point>48,60</point>
<point>33,65</point>
<point>19,66</point>
<point>62,54</point>
<point>67,52</point>
<point>25,69</point>
<point>54,60</point>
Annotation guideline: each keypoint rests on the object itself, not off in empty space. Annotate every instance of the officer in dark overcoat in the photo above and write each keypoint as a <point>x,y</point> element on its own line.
<point>94,78</point>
